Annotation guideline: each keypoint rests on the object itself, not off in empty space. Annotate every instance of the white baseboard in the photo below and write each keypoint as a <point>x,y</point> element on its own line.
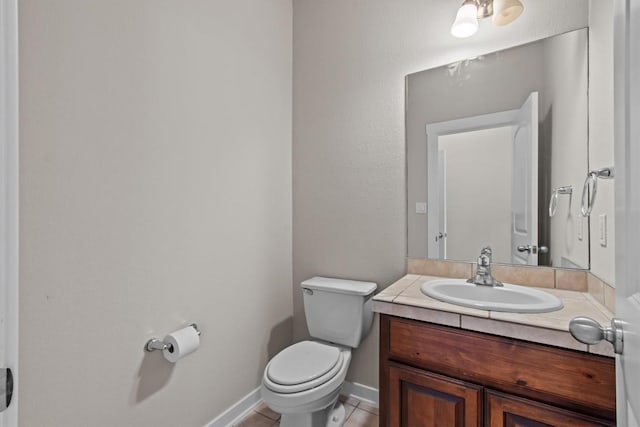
<point>245,405</point>
<point>361,392</point>
<point>238,411</point>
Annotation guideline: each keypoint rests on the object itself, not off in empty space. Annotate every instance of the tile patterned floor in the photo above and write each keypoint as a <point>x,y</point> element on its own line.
<point>359,414</point>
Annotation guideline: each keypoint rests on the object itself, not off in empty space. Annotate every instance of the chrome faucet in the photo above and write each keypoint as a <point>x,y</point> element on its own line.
<point>483,270</point>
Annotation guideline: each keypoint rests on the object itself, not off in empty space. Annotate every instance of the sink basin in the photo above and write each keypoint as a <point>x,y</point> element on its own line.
<point>509,298</point>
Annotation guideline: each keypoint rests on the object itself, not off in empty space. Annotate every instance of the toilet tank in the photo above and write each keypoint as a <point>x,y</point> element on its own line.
<point>338,310</point>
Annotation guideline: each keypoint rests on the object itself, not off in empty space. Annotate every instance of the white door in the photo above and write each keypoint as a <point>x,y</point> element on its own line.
<point>627,187</point>
<point>8,207</point>
<point>436,200</point>
<point>442,211</point>
<point>524,196</point>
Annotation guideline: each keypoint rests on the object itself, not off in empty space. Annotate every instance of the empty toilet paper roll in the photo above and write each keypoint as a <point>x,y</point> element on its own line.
<point>181,343</point>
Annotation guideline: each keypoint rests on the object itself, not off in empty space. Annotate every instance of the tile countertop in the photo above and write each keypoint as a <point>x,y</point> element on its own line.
<point>404,299</point>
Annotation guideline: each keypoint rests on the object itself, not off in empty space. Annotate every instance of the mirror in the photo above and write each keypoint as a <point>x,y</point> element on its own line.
<point>497,153</point>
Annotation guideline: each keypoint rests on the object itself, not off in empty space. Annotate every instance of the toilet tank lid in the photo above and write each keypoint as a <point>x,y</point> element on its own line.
<point>340,286</point>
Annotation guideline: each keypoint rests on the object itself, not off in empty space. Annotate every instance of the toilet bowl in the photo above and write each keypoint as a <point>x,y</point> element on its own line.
<point>304,380</point>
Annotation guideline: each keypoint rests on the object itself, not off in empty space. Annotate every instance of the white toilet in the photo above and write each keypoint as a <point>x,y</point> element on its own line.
<point>303,381</point>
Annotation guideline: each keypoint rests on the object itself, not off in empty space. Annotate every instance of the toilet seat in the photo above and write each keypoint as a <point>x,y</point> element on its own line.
<point>303,366</point>
<point>319,395</point>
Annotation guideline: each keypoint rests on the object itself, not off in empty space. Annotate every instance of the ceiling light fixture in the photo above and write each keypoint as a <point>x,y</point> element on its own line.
<point>506,11</point>
<point>466,23</point>
<point>502,11</point>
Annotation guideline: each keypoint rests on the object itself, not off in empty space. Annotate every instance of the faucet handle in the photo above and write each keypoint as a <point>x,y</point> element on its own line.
<point>486,251</point>
<point>484,260</point>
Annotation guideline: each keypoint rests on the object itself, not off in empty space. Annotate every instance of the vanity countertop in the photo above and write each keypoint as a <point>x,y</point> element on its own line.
<point>405,299</point>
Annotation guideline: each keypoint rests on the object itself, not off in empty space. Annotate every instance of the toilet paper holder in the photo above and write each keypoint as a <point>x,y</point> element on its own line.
<point>155,344</point>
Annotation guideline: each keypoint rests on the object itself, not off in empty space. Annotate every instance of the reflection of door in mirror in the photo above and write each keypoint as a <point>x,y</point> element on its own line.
<point>484,185</point>
<point>524,199</point>
<point>476,202</point>
<point>556,68</point>
<point>441,213</point>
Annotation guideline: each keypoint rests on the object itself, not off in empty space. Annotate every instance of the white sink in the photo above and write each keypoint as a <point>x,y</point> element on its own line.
<point>509,298</point>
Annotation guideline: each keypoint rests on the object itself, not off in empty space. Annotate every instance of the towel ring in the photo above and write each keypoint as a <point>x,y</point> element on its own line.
<point>553,203</point>
<point>590,188</point>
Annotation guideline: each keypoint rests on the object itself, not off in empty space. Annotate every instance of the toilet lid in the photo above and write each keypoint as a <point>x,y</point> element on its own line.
<point>302,362</point>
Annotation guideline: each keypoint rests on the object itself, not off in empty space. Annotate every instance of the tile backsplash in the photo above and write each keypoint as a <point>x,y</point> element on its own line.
<point>433,267</point>
<point>603,292</point>
<point>542,277</point>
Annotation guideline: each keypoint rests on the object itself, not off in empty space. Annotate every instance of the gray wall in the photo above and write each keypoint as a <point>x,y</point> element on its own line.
<point>565,115</point>
<point>489,84</point>
<point>603,259</point>
<point>155,190</point>
<point>350,61</point>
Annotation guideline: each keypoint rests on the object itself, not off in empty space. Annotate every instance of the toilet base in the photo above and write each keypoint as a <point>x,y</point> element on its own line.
<point>332,416</point>
<point>338,416</point>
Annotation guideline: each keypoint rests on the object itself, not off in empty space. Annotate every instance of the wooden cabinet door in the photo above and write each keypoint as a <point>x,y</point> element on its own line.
<point>421,399</point>
<point>503,410</point>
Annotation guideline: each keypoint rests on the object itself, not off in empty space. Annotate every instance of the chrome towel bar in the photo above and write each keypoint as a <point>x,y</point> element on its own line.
<point>553,203</point>
<point>590,188</point>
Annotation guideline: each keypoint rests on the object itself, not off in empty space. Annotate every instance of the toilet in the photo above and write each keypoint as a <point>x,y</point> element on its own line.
<point>304,380</point>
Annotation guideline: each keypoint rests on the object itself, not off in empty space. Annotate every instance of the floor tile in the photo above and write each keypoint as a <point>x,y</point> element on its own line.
<point>361,418</point>
<point>263,416</point>
<point>263,409</point>
<point>348,410</point>
<point>350,400</point>
<point>369,408</point>
<point>256,420</point>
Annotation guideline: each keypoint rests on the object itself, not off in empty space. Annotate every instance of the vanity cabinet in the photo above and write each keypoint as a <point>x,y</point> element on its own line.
<point>426,399</point>
<point>507,410</point>
<point>433,375</point>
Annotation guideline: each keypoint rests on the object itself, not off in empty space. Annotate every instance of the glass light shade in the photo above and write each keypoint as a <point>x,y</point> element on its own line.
<point>506,11</point>
<point>466,23</point>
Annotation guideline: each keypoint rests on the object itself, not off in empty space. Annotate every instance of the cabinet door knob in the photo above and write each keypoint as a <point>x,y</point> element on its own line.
<point>588,331</point>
